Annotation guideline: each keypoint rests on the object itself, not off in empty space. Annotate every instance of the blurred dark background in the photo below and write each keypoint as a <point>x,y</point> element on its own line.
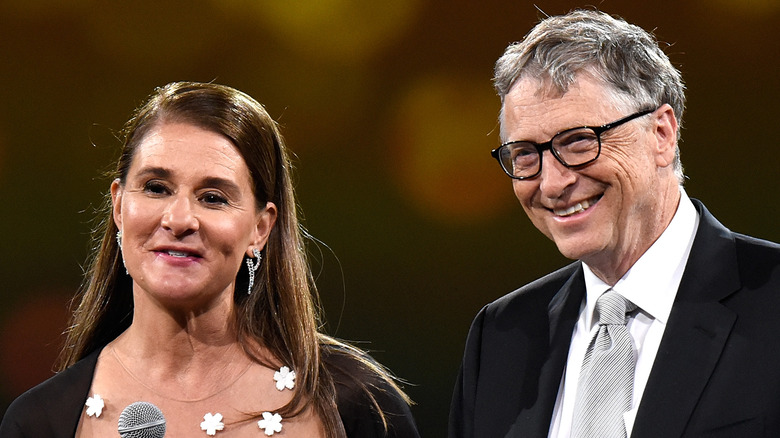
<point>391,112</point>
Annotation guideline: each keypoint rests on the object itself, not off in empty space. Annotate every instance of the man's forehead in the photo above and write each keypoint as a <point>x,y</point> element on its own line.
<point>543,86</point>
<point>533,106</point>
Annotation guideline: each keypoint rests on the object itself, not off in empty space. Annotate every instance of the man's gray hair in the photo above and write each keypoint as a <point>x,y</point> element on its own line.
<point>625,57</point>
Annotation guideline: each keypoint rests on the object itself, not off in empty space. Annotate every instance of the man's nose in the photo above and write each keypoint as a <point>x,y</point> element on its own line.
<point>554,177</point>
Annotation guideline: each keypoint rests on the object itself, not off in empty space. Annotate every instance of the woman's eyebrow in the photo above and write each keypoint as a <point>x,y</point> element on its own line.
<point>221,183</point>
<point>155,171</point>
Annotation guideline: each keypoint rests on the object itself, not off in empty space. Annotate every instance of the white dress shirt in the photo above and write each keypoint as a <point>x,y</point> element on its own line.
<point>651,283</point>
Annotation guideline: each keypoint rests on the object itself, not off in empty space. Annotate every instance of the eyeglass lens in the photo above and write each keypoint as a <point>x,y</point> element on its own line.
<point>572,148</point>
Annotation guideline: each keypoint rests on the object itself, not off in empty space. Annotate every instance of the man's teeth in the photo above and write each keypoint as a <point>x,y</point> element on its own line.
<point>177,253</point>
<point>576,208</point>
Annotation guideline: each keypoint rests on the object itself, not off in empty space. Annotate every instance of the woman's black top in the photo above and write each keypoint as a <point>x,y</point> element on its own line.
<point>53,408</point>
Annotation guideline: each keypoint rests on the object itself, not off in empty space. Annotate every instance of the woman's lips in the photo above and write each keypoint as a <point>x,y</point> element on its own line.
<point>179,254</point>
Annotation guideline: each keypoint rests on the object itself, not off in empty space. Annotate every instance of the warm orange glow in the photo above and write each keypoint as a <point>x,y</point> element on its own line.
<point>31,340</point>
<point>442,138</point>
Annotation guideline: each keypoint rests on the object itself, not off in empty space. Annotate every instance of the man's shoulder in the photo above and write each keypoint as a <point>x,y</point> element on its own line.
<point>756,255</point>
<point>751,243</point>
<point>753,254</point>
<point>536,293</point>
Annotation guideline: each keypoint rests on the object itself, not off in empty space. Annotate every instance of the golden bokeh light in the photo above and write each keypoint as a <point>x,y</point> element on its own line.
<point>343,29</point>
<point>443,133</point>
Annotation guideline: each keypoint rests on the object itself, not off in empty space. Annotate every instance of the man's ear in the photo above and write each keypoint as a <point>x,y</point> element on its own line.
<point>116,202</point>
<point>665,130</point>
<point>264,223</point>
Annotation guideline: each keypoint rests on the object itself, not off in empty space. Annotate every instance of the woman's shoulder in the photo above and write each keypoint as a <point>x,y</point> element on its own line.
<point>369,401</point>
<point>53,407</point>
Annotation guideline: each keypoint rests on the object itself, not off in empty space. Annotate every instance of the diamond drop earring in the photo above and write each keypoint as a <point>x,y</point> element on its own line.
<point>119,242</point>
<point>253,267</point>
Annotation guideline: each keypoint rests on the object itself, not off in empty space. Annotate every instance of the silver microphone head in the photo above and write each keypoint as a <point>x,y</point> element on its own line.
<point>142,420</point>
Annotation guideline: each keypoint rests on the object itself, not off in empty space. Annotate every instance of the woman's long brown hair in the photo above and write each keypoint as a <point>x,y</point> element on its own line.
<point>282,312</point>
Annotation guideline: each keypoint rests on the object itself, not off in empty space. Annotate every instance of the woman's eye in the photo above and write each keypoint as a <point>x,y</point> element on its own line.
<point>155,187</point>
<point>214,198</point>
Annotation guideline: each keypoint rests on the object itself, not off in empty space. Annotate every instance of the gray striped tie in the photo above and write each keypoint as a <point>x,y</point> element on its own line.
<point>606,382</point>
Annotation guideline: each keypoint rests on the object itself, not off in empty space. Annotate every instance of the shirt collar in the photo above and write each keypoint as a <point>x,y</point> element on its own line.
<point>642,284</point>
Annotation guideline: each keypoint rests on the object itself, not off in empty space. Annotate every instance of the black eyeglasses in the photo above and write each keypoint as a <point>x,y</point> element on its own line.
<point>573,147</point>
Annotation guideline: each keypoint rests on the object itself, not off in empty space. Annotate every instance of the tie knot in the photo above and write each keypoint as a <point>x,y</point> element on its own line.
<point>612,308</point>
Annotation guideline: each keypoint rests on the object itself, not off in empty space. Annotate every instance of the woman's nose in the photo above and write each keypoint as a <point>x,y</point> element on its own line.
<point>179,217</point>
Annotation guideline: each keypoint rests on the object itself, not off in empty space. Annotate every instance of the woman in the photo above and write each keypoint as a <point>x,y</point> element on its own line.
<point>199,299</point>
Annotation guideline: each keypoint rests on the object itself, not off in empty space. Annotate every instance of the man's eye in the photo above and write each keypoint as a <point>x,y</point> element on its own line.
<point>523,152</point>
<point>575,139</point>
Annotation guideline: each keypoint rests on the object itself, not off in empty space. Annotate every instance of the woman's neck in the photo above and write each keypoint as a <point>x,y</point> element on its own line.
<point>180,364</point>
<point>184,328</point>
<point>176,349</point>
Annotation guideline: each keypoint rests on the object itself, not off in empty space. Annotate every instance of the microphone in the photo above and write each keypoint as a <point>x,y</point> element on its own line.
<point>141,420</point>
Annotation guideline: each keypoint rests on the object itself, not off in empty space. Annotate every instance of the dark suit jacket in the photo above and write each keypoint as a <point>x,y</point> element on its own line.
<point>717,372</point>
<point>53,408</point>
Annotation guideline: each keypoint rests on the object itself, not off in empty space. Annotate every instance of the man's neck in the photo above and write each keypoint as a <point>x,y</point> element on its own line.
<point>611,269</point>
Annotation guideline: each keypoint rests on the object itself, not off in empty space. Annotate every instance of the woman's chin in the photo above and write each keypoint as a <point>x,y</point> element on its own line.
<point>183,296</point>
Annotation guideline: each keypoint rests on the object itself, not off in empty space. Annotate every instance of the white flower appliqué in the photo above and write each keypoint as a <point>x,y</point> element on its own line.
<point>212,423</point>
<point>285,378</point>
<point>271,423</point>
<point>95,406</point>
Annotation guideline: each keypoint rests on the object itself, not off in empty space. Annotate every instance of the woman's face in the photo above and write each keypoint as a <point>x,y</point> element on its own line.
<point>188,216</point>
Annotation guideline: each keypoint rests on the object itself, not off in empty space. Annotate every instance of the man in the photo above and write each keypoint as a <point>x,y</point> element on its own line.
<point>696,350</point>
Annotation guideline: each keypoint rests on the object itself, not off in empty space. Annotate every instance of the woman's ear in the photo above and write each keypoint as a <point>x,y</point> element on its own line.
<point>264,223</point>
<point>665,130</point>
<point>116,202</point>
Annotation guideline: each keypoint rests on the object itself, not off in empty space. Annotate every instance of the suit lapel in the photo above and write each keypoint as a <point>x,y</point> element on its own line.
<point>694,338</point>
<point>563,311</point>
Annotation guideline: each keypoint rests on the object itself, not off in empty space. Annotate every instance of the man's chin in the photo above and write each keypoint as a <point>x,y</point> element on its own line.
<point>573,249</point>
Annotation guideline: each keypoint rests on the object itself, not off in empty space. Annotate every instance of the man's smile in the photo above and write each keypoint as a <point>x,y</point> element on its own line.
<point>576,208</point>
